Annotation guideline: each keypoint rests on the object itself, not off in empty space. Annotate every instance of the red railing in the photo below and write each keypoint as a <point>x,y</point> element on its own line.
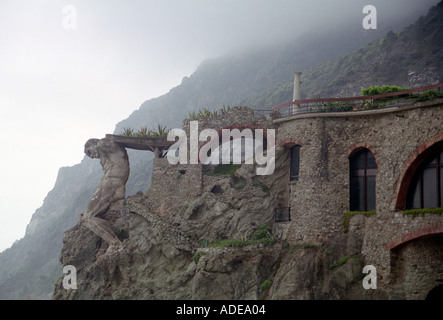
<point>386,100</point>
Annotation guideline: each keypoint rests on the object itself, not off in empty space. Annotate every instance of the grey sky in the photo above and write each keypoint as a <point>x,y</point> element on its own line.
<point>60,87</point>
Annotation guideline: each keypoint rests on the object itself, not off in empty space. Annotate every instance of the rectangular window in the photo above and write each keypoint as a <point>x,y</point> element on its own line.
<point>295,162</point>
<point>363,171</point>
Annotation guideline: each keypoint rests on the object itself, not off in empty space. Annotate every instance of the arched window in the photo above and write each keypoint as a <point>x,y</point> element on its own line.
<point>363,170</point>
<point>295,162</point>
<point>426,188</point>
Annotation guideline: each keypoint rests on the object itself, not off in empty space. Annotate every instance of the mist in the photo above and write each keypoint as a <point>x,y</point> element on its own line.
<point>60,87</point>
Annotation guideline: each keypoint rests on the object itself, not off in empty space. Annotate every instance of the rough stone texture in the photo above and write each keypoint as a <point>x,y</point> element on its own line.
<point>321,195</point>
<point>158,263</point>
<point>164,229</point>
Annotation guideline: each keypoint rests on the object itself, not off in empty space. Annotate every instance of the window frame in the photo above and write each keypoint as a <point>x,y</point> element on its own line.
<point>417,181</point>
<point>365,173</point>
<point>293,176</point>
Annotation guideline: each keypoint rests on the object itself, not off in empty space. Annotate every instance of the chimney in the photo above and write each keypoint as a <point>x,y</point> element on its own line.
<point>297,83</point>
<point>296,94</point>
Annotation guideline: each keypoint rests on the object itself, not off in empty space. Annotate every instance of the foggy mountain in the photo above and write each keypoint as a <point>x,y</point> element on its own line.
<point>259,77</point>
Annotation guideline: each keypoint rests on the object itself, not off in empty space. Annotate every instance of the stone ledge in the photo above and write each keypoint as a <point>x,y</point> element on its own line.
<point>359,113</point>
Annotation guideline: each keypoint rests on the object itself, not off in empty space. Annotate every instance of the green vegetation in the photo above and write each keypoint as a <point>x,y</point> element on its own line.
<point>144,132</point>
<point>262,235</point>
<point>302,246</point>
<point>197,256</point>
<point>348,215</point>
<point>421,212</point>
<point>374,90</point>
<point>224,169</point>
<point>427,95</point>
<point>265,285</point>
<point>228,243</point>
<point>161,132</point>
<point>336,106</point>
<point>192,115</point>
<point>342,261</point>
<point>206,113</point>
<point>239,186</point>
<point>264,187</point>
<point>127,132</point>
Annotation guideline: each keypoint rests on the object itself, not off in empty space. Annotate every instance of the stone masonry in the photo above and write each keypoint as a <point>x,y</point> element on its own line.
<point>320,197</point>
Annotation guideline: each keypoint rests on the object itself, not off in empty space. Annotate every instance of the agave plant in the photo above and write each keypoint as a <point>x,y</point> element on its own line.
<point>161,131</point>
<point>225,109</point>
<point>192,115</point>
<point>143,132</point>
<point>205,113</point>
<point>128,132</point>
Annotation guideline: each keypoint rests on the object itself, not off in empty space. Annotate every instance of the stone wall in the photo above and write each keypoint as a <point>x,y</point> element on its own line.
<point>173,185</point>
<point>236,116</point>
<point>320,197</point>
<point>184,196</point>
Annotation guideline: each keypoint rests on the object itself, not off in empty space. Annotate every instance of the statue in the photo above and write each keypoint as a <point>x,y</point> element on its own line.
<point>112,187</point>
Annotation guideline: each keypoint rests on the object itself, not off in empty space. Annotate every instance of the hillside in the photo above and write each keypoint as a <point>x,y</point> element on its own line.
<point>259,77</point>
<point>411,58</point>
<point>232,79</point>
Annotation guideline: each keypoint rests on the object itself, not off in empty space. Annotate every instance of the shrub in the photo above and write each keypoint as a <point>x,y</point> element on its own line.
<point>265,285</point>
<point>262,235</point>
<point>128,132</point>
<point>342,261</point>
<point>421,212</point>
<point>262,232</point>
<point>302,246</point>
<point>197,256</point>
<point>374,90</point>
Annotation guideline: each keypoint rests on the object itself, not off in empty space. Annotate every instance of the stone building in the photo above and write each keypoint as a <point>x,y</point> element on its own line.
<point>344,178</point>
<point>397,151</point>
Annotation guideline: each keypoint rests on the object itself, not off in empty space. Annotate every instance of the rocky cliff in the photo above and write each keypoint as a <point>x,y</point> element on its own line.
<point>161,261</point>
<point>202,234</point>
<point>262,79</point>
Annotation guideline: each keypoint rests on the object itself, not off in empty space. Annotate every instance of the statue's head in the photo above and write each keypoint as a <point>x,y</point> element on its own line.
<point>91,149</point>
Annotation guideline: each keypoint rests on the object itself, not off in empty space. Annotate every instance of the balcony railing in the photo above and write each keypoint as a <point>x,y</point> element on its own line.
<point>362,103</point>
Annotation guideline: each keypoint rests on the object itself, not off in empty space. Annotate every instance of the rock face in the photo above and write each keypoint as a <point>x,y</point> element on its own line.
<point>165,234</point>
<point>161,262</point>
<point>206,232</point>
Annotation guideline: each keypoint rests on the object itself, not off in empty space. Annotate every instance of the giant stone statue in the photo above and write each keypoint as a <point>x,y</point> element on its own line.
<point>115,163</point>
